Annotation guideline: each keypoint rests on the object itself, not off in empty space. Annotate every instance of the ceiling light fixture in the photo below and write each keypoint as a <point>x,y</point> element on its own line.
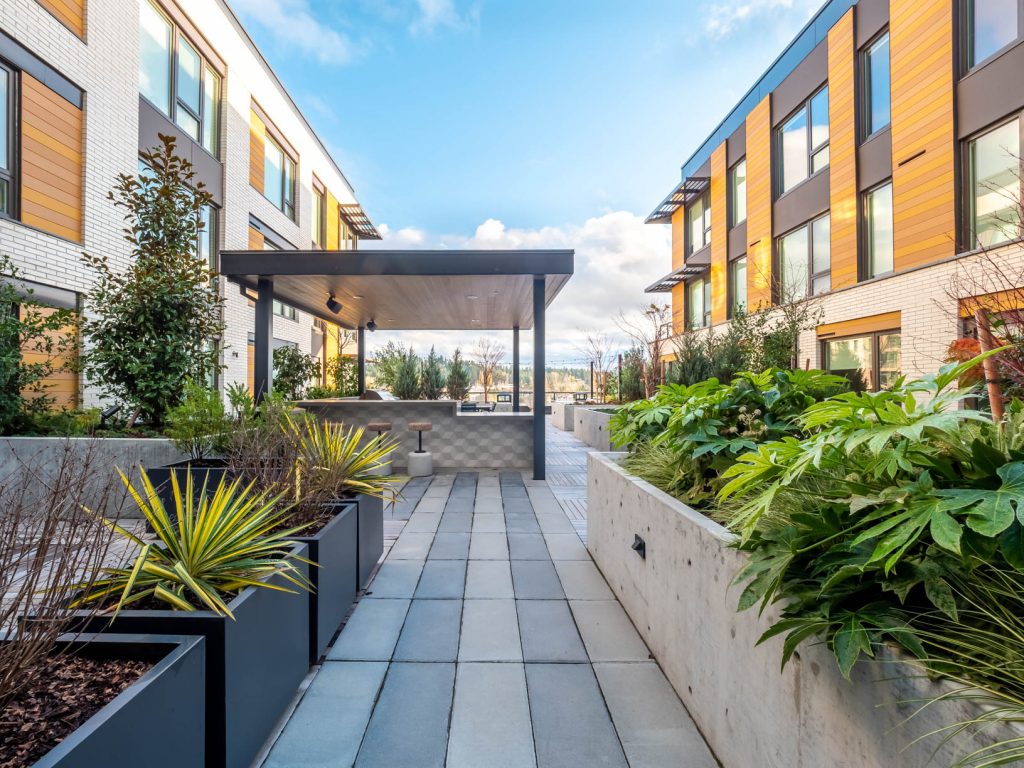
<point>472,297</point>
<point>333,304</point>
<point>356,296</point>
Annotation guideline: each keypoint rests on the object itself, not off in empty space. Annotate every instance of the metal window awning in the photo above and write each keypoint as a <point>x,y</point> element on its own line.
<point>358,221</point>
<point>688,188</point>
<point>672,279</point>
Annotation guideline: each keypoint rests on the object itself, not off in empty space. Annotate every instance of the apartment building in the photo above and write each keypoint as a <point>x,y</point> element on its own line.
<point>86,85</point>
<point>875,169</point>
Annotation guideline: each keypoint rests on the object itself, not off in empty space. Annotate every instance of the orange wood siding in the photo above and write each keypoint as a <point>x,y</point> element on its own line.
<point>759,206</point>
<point>679,308</point>
<point>678,238</point>
<point>333,222</point>
<point>842,121</point>
<point>70,13</point>
<point>888,321</point>
<point>51,161</point>
<point>719,235</point>
<point>257,137</point>
<point>62,385</point>
<point>924,208</point>
<point>255,240</point>
<point>1001,301</point>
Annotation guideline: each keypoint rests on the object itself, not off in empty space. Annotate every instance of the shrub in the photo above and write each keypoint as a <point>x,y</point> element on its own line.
<point>319,392</point>
<point>458,383</point>
<point>197,426</point>
<point>343,373</point>
<point>293,370</point>
<point>407,378</point>
<point>386,364</point>
<point>632,376</point>
<point>432,377</point>
<point>154,326</point>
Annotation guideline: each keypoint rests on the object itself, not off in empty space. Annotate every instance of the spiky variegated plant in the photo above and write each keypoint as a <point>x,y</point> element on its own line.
<point>207,549</point>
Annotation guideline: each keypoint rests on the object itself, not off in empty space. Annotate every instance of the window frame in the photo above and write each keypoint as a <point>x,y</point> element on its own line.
<point>733,307</point>
<point>319,213</point>
<point>967,37</point>
<point>11,122</point>
<point>289,177</point>
<point>705,199</point>
<point>812,276</point>
<point>875,383</point>
<point>733,221</point>
<point>812,148</point>
<point>865,87</point>
<point>968,186</point>
<point>865,226</point>
<point>705,292</point>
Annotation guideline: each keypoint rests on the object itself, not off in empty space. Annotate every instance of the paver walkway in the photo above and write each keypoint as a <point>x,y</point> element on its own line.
<point>489,639</point>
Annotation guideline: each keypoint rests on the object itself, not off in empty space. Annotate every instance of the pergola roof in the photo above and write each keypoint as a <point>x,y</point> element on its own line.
<point>407,290</point>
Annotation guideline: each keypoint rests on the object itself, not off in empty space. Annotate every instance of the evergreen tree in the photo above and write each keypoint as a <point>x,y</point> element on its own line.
<point>407,377</point>
<point>432,377</point>
<point>458,377</point>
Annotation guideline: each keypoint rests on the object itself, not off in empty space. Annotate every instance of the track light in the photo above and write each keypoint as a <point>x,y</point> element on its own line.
<point>371,326</point>
<point>333,304</point>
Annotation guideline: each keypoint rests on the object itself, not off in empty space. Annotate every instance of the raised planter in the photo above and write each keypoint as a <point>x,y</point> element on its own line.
<point>335,550</point>
<point>592,426</point>
<point>254,664</point>
<point>209,472</point>
<point>133,729</point>
<point>371,535</point>
<point>682,600</point>
<point>562,415</point>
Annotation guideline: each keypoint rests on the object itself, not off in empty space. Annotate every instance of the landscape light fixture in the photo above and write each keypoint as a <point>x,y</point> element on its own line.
<point>371,326</point>
<point>333,304</point>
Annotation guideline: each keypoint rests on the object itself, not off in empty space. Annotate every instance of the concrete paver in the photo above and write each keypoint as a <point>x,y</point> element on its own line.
<point>490,631</point>
<point>489,579</point>
<point>491,718</point>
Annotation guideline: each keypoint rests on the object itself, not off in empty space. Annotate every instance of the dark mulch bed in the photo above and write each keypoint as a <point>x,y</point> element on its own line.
<point>68,691</point>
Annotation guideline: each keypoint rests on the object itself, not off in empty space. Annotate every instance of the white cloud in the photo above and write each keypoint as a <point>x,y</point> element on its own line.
<point>406,237</point>
<point>724,17</point>
<point>293,24</point>
<point>435,14</point>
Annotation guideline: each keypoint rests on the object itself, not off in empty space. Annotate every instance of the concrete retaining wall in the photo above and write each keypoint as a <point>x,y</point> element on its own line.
<point>683,603</point>
<point>591,426</point>
<point>43,455</point>
<point>562,415</point>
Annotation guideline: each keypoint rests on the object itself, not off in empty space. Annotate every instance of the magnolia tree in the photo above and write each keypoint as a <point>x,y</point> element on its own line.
<point>154,326</point>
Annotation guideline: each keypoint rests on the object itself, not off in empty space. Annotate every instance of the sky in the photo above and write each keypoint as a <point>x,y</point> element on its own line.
<point>523,123</point>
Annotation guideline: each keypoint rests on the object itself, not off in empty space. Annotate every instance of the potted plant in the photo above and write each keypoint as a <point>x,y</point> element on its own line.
<point>223,567</point>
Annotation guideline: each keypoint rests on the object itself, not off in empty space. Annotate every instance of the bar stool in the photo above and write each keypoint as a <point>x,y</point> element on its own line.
<point>380,427</point>
<point>421,463</point>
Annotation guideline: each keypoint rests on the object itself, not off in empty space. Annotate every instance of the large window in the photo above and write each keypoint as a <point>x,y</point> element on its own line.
<point>176,79</point>
<point>698,217</point>
<point>878,230</point>
<point>989,26</point>
<point>805,261</point>
<point>319,218</point>
<point>279,177</point>
<point>876,85</point>
<point>698,303</point>
<point>738,286</point>
<point>871,361</point>
<point>738,193</point>
<point>994,186</point>
<point>6,141</point>
<point>803,142</point>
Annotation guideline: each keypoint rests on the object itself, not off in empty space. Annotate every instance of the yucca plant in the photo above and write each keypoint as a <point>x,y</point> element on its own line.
<point>208,548</point>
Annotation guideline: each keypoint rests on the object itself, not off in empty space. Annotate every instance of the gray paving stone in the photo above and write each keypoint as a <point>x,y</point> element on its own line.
<point>516,505</point>
<point>527,546</point>
<point>409,727</point>
<point>411,546</point>
<point>396,578</point>
<point>423,522</point>
<point>488,505</point>
<point>571,726</point>
<point>548,631</point>
<point>442,579</point>
<point>491,718</point>
<point>607,632</point>
<point>371,632</point>
<point>555,523</point>
<point>488,546</point>
<point>655,729</point>
<point>430,505</point>
<point>489,579</point>
<point>456,522</point>
<point>536,580</point>
<point>450,546</point>
<point>544,501</point>
<point>463,506</point>
<point>431,631</point>
<point>341,696</point>
<point>488,523</point>
<point>582,581</point>
<point>490,631</point>
<point>566,546</point>
<point>522,524</point>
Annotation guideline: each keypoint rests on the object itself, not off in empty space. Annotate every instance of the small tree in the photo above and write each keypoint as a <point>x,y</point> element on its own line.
<point>632,376</point>
<point>458,377</point>
<point>198,424</point>
<point>386,364</point>
<point>293,370</point>
<point>651,332</point>
<point>407,377</point>
<point>343,374</point>
<point>488,354</point>
<point>432,377</point>
<point>596,350</point>
<point>154,326</point>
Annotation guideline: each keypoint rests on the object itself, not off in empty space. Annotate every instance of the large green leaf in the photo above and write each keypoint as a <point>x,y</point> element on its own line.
<point>990,512</point>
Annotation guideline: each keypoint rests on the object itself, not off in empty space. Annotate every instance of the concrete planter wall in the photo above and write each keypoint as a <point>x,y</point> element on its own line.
<point>134,728</point>
<point>562,416</point>
<point>683,603</point>
<point>592,426</point>
<point>44,454</point>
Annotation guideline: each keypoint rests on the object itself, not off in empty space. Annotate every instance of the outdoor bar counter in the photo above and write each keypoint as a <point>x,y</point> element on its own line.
<point>473,440</point>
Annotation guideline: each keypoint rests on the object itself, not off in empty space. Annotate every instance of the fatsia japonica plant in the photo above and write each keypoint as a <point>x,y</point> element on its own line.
<point>864,520</point>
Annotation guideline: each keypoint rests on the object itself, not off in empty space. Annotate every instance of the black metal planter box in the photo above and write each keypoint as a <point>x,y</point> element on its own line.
<point>158,721</point>
<point>371,535</point>
<point>335,549</point>
<point>209,471</point>
<point>254,664</point>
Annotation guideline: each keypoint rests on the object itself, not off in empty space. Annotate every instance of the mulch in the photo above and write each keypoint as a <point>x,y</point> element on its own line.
<point>68,691</point>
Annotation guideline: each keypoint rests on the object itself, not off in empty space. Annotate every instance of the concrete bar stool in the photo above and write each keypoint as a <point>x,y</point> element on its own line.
<point>380,427</point>
<point>421,463</point>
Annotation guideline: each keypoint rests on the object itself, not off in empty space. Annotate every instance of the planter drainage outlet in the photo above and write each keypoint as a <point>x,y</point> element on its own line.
<point>639,546</point>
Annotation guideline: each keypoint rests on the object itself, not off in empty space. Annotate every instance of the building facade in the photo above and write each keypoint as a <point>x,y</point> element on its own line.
<point>86,85</point>
<point>874,170</point>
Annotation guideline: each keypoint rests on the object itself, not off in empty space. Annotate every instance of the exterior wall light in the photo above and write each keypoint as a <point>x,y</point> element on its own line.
<point>333,304</point>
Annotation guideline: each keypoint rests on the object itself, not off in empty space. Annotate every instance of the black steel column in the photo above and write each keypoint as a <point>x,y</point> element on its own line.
<point>515,369</point>
<point>538,378</point>
<point>361,360</point>
<point>263,374</point>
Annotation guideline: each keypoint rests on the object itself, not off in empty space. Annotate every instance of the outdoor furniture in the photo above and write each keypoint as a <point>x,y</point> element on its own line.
<point>469,407</point>
<point>380,427</point>
<point>421,463</point>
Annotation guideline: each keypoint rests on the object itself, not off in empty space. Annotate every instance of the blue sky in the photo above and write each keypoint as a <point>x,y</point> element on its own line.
<point>523,122</point>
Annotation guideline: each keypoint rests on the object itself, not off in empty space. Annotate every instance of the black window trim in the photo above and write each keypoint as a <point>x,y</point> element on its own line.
<point>967,204</point>
<point>875,384</point>
<point>287,203</point>
<point>320,192</point>
<point>733,223</point>
<point>730,286</point>
<point>864,90</point>
<point>812,150</point>
<point>691,248</point>
<point>966,26</point>
<point>705,283</point>
<point>864,238</point>
<point>811,274</point>
<point>11,121</point>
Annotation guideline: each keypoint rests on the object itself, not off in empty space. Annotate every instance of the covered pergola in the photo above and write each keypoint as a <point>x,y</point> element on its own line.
<point>466,290</point>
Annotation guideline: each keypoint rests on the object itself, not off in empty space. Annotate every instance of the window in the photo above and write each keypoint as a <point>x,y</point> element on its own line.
<point>878,230</point>
<point>803,142</point>
<point>698,216</point>
<point>989,26</point>
<point>207,246</point>
<point>7,102</point>
<point>994,186</point>
<point>738,286</point>
<point>738,193</point>
<point>319,219</point>
<point>279,177</point>
<point>870,362</point>
<point>876,86</point>
<point>805,261</point>
<point>698,302</point>
<point>175,79</point>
